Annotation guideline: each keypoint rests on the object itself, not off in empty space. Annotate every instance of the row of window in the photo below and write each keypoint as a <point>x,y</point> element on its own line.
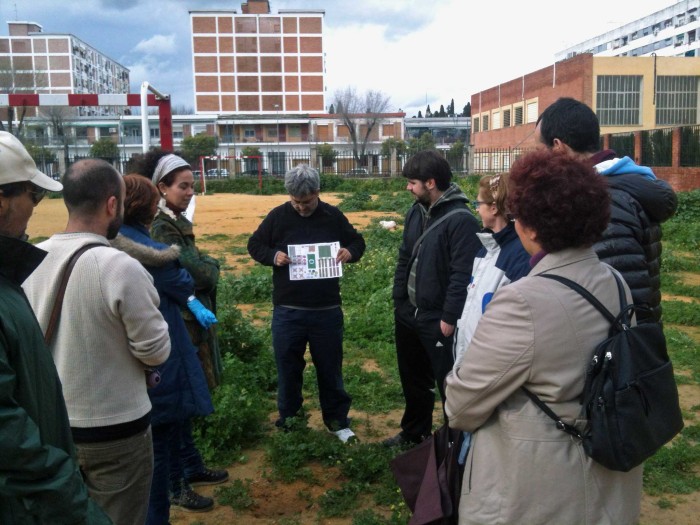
<point>507,116</point>
<point>619,101</point>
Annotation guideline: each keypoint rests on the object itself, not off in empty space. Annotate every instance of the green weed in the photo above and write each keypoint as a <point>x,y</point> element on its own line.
<point>672,468</point>
<point>235,495</point>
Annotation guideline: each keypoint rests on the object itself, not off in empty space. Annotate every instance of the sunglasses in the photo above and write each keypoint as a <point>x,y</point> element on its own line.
<point>476,204</point>
<point>36,194</point>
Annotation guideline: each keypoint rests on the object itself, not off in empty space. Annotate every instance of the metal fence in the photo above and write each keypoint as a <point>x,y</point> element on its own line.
<point>494,160</point>
<point>690,146</point>
<point>657,147</point>
<point>622,144</point>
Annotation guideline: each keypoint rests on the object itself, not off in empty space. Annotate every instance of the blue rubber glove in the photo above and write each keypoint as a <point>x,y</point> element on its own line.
<point>203,315</point>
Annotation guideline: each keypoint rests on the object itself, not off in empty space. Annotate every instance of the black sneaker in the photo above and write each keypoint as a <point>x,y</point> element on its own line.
<point>190,501</point>
<point>401,440</point>
<point>208,477</point>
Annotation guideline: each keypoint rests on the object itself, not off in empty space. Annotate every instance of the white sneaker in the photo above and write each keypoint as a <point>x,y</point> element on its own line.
<point>345,435</point>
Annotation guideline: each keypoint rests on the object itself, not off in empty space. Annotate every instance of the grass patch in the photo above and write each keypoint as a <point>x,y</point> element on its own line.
<point>672,470</point>
<point>235,495</point>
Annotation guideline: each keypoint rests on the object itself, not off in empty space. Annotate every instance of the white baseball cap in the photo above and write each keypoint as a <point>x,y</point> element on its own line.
<point>17,166</point>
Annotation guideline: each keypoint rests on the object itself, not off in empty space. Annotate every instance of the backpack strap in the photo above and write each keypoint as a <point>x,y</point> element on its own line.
<point>620,320</point>
<point>58,303</point>
<point>435,223</point>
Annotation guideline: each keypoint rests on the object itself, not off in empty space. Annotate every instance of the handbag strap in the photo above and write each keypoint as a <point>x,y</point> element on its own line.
<point>435,223</point>
<point>58,303</point>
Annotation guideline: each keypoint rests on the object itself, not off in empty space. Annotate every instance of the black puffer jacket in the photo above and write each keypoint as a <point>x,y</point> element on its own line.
<point>446,257</point>
<point>632,241</point>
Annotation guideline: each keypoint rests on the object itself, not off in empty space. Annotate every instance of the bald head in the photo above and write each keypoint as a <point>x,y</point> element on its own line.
<point>88,184</point>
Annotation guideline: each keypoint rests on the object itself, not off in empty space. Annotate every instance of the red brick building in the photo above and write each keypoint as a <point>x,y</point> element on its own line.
<point>258,62</point>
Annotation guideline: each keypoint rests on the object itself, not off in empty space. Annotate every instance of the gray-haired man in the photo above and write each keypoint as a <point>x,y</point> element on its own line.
<point>307,311</point>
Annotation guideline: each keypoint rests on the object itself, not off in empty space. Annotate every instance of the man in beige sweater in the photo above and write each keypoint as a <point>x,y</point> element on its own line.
<point>108,333</point>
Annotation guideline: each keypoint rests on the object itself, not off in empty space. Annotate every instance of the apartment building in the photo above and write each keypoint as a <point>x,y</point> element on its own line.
<point>258,62</point>
<point>32,61</point>
<point>673,31</point>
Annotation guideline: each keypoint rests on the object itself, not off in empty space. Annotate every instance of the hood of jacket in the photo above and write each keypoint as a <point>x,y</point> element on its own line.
<point>130,241</point>
<point>452,194</point>
<point>624,166</point>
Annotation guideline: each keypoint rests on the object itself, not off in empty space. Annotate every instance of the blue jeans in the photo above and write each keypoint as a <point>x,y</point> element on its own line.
<point>322,330</point>
<point>188,462</point>
<point>166,452</point>
<point>118,475</point>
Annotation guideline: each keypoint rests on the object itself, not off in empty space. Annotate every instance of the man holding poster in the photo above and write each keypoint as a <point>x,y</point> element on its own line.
<point>307,241</point>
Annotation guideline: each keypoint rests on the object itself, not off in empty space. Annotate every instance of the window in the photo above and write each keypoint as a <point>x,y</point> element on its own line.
<point>532,112</point>
<point>506,118</point>
<point>294,131</point>
<point>475,125</point>
<point>619,100</point>
<point>677,100</point>
<point>485,122</point>
<point>155,133</point>
<point>249,133</point>
<point>496,120</point>
<point>518,115</point>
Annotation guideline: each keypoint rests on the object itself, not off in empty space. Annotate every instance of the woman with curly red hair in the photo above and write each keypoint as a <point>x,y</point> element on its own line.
<point>539,334</point>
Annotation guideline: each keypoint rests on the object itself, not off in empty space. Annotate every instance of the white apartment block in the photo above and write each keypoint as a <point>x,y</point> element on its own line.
<point>32,61</point>
<point>673,31</point>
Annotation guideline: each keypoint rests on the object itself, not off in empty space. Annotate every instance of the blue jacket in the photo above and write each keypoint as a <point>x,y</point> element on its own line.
<point>182,392</point>
<point>632,241</point>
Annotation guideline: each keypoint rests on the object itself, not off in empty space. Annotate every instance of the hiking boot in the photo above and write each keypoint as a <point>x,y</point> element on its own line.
<point>190,501</point>
<point>208,477</point>
<point>345,435</point>
<point>401,440</point>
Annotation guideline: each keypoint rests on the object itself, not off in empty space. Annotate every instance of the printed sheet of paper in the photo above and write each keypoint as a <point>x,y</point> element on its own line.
<point>314,261</point>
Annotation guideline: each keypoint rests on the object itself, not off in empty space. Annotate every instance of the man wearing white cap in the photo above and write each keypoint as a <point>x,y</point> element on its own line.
<point>40,481</point>
<point>109,332</point>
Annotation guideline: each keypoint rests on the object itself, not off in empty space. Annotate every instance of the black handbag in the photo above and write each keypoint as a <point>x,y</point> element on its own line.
<point>630,397</point>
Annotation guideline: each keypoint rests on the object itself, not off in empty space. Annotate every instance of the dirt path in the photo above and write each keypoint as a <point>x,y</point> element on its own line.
<point>219,219</point>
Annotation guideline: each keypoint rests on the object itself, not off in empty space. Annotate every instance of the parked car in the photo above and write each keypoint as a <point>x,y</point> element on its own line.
<point>254,173</point>
<point>197,174</point>
<point>357,172</point>
<point>217,173</point>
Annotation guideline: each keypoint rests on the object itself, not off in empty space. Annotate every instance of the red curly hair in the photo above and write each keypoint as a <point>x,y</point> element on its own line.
<point>140,200</point>
<point>561,197</point>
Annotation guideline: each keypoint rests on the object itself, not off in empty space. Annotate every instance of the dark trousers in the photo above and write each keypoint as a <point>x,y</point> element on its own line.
<point>166,452</point>
<point>322,330</point>
<point>188,462</point>
<point>424,358</point>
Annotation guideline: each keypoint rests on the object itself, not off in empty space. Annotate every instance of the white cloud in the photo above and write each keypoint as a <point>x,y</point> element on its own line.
<point>157,45</point>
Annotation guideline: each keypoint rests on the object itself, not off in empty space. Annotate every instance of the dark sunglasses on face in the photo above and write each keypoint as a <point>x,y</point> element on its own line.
<point>36,194</point>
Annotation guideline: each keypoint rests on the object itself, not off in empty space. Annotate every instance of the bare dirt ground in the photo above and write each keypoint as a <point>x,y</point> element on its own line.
<point>219,220</point>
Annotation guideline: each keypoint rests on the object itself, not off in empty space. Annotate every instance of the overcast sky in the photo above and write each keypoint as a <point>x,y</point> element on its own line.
<point>418,52</point>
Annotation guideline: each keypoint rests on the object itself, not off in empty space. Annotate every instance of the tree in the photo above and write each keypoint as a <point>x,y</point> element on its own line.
<point>451,108</point>
<point>442,112</point>
<point>467,110</point>
<point>392,143</point>
<point>428,113</point>
<point>360,114</point>
<point>104,148</point>
<point>182,109</point>
<point>14,78</point>
<point>456,154</point>
<point>420,115</point>
<point>200,145</point>
<point>331,110</point>
<point>426,141</point>
<point>327,154</point>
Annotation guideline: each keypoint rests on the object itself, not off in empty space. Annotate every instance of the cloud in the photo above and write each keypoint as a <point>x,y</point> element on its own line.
<point>157,45</point>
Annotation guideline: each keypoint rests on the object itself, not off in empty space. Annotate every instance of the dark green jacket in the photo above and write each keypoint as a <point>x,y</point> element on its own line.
<point>39,478</point>
<point>171,230</point>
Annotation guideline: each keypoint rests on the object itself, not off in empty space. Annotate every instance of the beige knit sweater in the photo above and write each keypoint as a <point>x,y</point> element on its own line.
<point>110,329</point>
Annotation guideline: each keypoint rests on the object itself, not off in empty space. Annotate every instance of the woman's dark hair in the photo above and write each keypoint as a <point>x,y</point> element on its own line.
<point>145,164</point>
<point>562,198</point>
<point>140,201</point>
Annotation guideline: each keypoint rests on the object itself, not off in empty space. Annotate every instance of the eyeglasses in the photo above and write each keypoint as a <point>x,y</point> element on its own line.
<point>476,204</point>
<point>36,194</point>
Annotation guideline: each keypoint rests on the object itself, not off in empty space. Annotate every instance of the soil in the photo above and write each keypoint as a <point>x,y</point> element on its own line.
<point>225,216</point>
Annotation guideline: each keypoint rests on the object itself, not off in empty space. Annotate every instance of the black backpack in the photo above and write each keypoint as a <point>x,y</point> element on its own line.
<point>630,398</point>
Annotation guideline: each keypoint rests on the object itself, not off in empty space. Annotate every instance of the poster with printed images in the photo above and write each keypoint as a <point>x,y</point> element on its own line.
<point>314,261</point>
